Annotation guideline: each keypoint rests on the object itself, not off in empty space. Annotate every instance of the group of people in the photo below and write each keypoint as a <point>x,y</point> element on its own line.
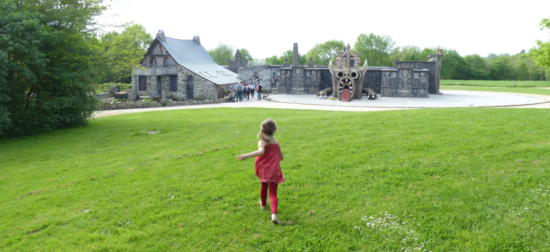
<point>245,90</point>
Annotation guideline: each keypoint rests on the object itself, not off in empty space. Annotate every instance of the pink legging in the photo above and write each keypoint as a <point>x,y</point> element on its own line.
<point>272,195</point>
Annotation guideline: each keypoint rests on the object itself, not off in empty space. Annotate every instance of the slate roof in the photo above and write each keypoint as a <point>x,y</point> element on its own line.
<point>194,57</point>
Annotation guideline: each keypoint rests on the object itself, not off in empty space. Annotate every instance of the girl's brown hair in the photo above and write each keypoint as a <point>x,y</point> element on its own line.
<point>268,129</point>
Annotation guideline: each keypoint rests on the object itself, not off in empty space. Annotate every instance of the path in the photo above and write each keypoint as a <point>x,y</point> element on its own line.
<point>280,105</point>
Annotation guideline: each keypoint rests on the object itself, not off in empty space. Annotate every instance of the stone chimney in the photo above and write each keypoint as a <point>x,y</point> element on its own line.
<point>197,39</point>
<point>295,56</point>
<point>161,36</point>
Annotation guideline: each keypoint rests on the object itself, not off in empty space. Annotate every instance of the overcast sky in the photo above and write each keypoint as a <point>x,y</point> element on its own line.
<point>268,28</point>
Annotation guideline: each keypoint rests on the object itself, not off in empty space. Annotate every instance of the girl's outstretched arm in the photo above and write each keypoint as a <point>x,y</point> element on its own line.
<point>257,153</point>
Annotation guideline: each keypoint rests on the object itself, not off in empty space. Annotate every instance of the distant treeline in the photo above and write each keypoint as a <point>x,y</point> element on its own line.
<point>381,51</point>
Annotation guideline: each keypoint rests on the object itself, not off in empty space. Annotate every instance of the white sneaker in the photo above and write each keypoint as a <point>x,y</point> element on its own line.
<point>274,219</point>
<point>263,207</point>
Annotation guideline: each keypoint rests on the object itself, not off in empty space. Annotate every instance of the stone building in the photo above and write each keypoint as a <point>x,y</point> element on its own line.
<point>181,70</point>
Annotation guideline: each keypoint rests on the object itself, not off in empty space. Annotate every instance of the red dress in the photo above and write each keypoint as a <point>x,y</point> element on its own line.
<point>268,165</point>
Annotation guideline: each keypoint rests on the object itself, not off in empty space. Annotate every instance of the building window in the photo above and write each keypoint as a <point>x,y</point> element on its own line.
<point>142,83</point>
<point>158,50</point>
<point>166,61</point>
<point>173,83</point>
<point>153,62</point>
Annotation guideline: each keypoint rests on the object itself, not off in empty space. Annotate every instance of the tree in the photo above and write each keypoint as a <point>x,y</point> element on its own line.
<point>501,68</point>
<point>274,60</point>
<point>4,99</point>
<point>478,69</point>
<point>287,55</point>
<point>377,49</point>
<point>409,53</point>
<point>124,51</point>
<point>245,55</point>
<point>453,66</point>
<point>541,54</point>
<point>324,52</point>
<point>221,54</point>
<point>47,64</point>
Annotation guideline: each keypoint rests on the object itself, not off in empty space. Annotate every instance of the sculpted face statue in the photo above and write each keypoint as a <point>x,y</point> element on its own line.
<point>348,78</point>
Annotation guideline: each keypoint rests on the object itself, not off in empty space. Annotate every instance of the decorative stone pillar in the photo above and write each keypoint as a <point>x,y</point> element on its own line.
<point>295,56</point>
<point>437,59</point>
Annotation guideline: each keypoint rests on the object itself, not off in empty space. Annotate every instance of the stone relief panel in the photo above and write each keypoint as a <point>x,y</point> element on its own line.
<point>431,75</point>
<point>405,83</point>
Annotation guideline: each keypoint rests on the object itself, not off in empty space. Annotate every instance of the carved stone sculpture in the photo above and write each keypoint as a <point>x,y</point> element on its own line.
<point>323,94</point>
<point>348,77</point>
<point>370,93</point>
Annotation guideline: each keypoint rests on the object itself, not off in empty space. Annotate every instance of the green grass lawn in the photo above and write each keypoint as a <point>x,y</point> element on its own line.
<point>474,179</point>
<point>491,83</point>
<point>538,91</point>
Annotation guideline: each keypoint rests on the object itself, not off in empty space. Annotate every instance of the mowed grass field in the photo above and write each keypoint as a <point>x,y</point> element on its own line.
<point>524,87</point>
<point>473,179</point>
<point>493,83</point>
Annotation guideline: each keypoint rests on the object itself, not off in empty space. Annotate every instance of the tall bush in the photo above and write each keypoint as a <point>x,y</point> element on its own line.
<point>48,65</point>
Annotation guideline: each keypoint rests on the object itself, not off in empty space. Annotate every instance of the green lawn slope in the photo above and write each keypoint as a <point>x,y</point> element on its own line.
<point>473,179</point>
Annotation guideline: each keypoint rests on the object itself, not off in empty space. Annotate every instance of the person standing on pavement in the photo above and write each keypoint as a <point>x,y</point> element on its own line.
<point>240,92</point>
<point>260,91</point>
<point>252,88</point>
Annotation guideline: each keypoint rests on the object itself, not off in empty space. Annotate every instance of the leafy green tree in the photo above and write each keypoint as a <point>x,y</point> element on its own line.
<point>4,99</point>
<point>377,49</point>
<point>541,54</point>
<point>287,55</point>
<point>453,66</point>
<point>478,69</point>
<point>124,51</point>
<point>245,55</point>
<point>409,53</point>
<point>221,54</point>
<point>274,60</point>
<point>427,52</point>
<point>324,52</point>
<point>501,68</point>
<point>47,64</point>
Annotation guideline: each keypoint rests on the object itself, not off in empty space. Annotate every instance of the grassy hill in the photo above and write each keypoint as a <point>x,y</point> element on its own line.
<point>417,180</point>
